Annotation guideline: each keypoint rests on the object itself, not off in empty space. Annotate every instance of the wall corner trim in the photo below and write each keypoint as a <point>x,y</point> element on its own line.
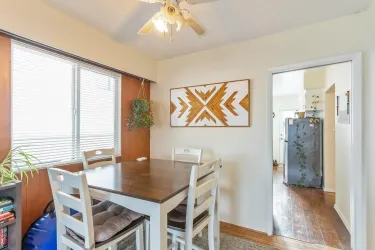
<point>342,217</point>
<point>329,190</point>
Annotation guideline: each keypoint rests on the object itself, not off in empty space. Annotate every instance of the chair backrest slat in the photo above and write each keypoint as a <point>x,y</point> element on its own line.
<point>71,242</point>
<point>203,206</point>
<point>62,176</point>
<point>98,154</point>
<point>62,183</point>
<point>187,152</point>
<point>70,201</point>
<point>206,169</point>
<point>205,187</point>
<point>71,222</point>
<point>203,183</point>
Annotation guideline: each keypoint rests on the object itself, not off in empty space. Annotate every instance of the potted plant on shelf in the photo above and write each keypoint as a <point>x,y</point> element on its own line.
<point>142,116</point>
<point>15,165</point>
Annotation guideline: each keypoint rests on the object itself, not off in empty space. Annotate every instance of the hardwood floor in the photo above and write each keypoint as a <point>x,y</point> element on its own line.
<point>307,214</point>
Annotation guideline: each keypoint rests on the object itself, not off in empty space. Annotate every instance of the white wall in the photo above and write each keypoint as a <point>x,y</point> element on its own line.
<point>315,78</point>
<point>243,150</point>
<point>340,75</point>
<point>290,102</point>
<point>329,141</point>
<point>369,131</point>
<point>37,21</point>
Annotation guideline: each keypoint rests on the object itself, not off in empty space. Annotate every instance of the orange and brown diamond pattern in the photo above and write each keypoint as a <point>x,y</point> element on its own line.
<point>225,104</point>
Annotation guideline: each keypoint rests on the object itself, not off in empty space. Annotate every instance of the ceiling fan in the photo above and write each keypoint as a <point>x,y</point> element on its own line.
<point>171,14</point>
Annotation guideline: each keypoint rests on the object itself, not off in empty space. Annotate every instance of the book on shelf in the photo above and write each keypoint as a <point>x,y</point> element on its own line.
<point>3,237</point>
<point>5,201</point>
<point>7,220</point>
<point>6,215</point>
<point>6,208</point>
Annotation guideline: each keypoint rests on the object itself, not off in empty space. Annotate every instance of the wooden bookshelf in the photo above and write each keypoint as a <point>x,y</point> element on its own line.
<point>14,190</point>
<point>7,223</point>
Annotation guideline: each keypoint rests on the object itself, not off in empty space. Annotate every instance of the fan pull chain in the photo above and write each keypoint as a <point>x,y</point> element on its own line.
<point>171,35</point>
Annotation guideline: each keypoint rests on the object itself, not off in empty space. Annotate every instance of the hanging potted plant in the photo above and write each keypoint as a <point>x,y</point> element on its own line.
<point>142,116</point>
<point>17,161</point>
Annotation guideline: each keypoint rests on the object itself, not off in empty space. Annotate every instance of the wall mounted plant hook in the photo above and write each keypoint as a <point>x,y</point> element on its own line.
<point>142,92</point>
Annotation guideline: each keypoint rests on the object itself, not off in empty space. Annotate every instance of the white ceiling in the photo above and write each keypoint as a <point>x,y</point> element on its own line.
<point>289,83</point>
<point>226,21</point>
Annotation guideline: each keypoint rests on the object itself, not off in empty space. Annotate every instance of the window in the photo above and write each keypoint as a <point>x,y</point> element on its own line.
<point>61,107</point>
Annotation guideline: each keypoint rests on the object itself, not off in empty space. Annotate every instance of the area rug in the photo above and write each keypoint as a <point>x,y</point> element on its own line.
<point>227,243</point>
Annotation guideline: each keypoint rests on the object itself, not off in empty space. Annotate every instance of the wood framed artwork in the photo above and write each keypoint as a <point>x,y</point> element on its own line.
<point>224,104</point>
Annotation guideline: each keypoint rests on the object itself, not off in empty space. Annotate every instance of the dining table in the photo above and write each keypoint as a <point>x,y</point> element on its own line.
<point>152,187</point>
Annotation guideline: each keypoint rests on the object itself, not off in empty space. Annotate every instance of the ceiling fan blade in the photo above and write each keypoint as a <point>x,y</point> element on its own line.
<point>192,2</point>
<point>149,25</point>
<point>190,21</point>
<point>146,28</point>
<point>195,25</point>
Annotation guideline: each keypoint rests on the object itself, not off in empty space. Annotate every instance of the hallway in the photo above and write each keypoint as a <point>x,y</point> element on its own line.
<point>307,214</point>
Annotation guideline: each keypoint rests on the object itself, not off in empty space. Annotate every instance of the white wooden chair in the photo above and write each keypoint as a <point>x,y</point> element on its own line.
<point>186,154</point>
<point>98,154</point>
<point>198,217</point>
<point>63,184</point>
<point>187,221</point>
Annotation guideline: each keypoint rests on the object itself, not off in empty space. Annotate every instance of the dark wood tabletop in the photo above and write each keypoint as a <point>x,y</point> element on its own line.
<point>152,180</point>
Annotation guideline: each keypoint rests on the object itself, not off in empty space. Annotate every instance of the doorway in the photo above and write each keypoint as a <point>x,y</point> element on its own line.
<point>357,222</point>
<point>284,114</point>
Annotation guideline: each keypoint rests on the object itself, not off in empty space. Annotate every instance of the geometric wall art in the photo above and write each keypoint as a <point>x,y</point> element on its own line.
<point>225,104</point>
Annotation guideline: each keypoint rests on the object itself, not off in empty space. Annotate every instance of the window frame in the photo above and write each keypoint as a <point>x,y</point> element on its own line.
<point>77,66</point>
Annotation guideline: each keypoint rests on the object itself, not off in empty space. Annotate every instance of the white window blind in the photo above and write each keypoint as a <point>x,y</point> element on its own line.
<point>61,107</point>
<point>97,109</point>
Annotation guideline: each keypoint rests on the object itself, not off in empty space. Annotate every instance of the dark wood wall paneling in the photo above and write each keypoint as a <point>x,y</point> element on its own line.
<point>134,144</point>
<point>5,94</point>
<point>37,192</point>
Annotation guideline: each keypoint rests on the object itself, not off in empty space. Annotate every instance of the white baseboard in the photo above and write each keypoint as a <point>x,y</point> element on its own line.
<point>342,217</point>
<point>330,190</point>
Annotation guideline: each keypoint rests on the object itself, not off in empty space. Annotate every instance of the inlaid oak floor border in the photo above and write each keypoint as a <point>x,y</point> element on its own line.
<point>264,239</point>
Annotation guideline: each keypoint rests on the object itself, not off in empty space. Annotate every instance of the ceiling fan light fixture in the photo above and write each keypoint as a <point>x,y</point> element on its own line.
<point>160,24</point>
<point>179,26</point>
<point>171,14</point>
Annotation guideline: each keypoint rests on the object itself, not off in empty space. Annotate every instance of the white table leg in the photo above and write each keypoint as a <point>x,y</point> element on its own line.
<point>217,220</point>
<point>158,226</point>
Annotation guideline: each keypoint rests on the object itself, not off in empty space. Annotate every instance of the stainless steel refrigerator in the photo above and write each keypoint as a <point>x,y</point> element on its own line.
<point>303,152</point>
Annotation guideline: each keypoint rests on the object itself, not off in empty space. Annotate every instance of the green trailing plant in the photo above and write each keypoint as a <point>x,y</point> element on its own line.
<point>316,123</point>
<point>17,161</point>
<point>301,154</point>
<point>142,116</point>
<point>314,105</point>
<point>300,141</point>
<point>315,165</point>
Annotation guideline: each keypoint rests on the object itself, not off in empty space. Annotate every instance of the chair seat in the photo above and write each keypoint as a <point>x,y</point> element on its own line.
<point>177,218</point>
<point>126,230</point>
<point>110,220</point>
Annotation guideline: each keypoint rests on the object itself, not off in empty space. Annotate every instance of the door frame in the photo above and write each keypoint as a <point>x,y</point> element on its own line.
<point>358,216</point>
<point>325,139</point>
